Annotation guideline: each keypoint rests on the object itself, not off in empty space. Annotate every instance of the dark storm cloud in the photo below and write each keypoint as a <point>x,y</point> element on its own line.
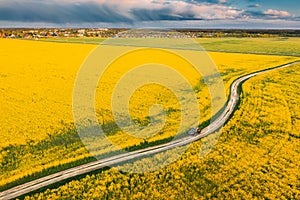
<point>161,14</point>
<point>130,11</point>
<point>109,11</point>
<point>40,11</point>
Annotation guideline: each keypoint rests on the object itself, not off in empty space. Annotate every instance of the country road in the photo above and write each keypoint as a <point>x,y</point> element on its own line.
<point>89,167</point>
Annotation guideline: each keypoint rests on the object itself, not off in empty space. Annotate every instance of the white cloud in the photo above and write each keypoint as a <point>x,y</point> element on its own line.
<point>277,13</point>
<point>177,8</point>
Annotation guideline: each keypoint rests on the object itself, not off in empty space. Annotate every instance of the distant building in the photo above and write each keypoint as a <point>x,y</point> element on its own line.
<point>81,31</point>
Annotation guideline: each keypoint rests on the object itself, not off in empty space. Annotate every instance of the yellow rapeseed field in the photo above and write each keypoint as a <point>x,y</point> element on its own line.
<point>36,85</point>
<point>37,80</point>
<point>36,88</point>
<point>257,156</point>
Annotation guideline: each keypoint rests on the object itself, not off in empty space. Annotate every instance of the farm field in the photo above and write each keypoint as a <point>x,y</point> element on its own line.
<point>75,40</point>
<point>257,156</point>
<point>38,75</point>
<point>275,45</point>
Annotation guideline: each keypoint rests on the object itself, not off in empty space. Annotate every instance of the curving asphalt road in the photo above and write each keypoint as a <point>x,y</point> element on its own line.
<point>86,168</point>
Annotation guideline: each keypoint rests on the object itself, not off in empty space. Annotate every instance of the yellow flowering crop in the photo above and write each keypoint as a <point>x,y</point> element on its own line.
<point>36,85</point>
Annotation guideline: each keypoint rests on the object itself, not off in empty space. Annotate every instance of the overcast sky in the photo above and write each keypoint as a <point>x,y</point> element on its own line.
<point>151,13</point>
